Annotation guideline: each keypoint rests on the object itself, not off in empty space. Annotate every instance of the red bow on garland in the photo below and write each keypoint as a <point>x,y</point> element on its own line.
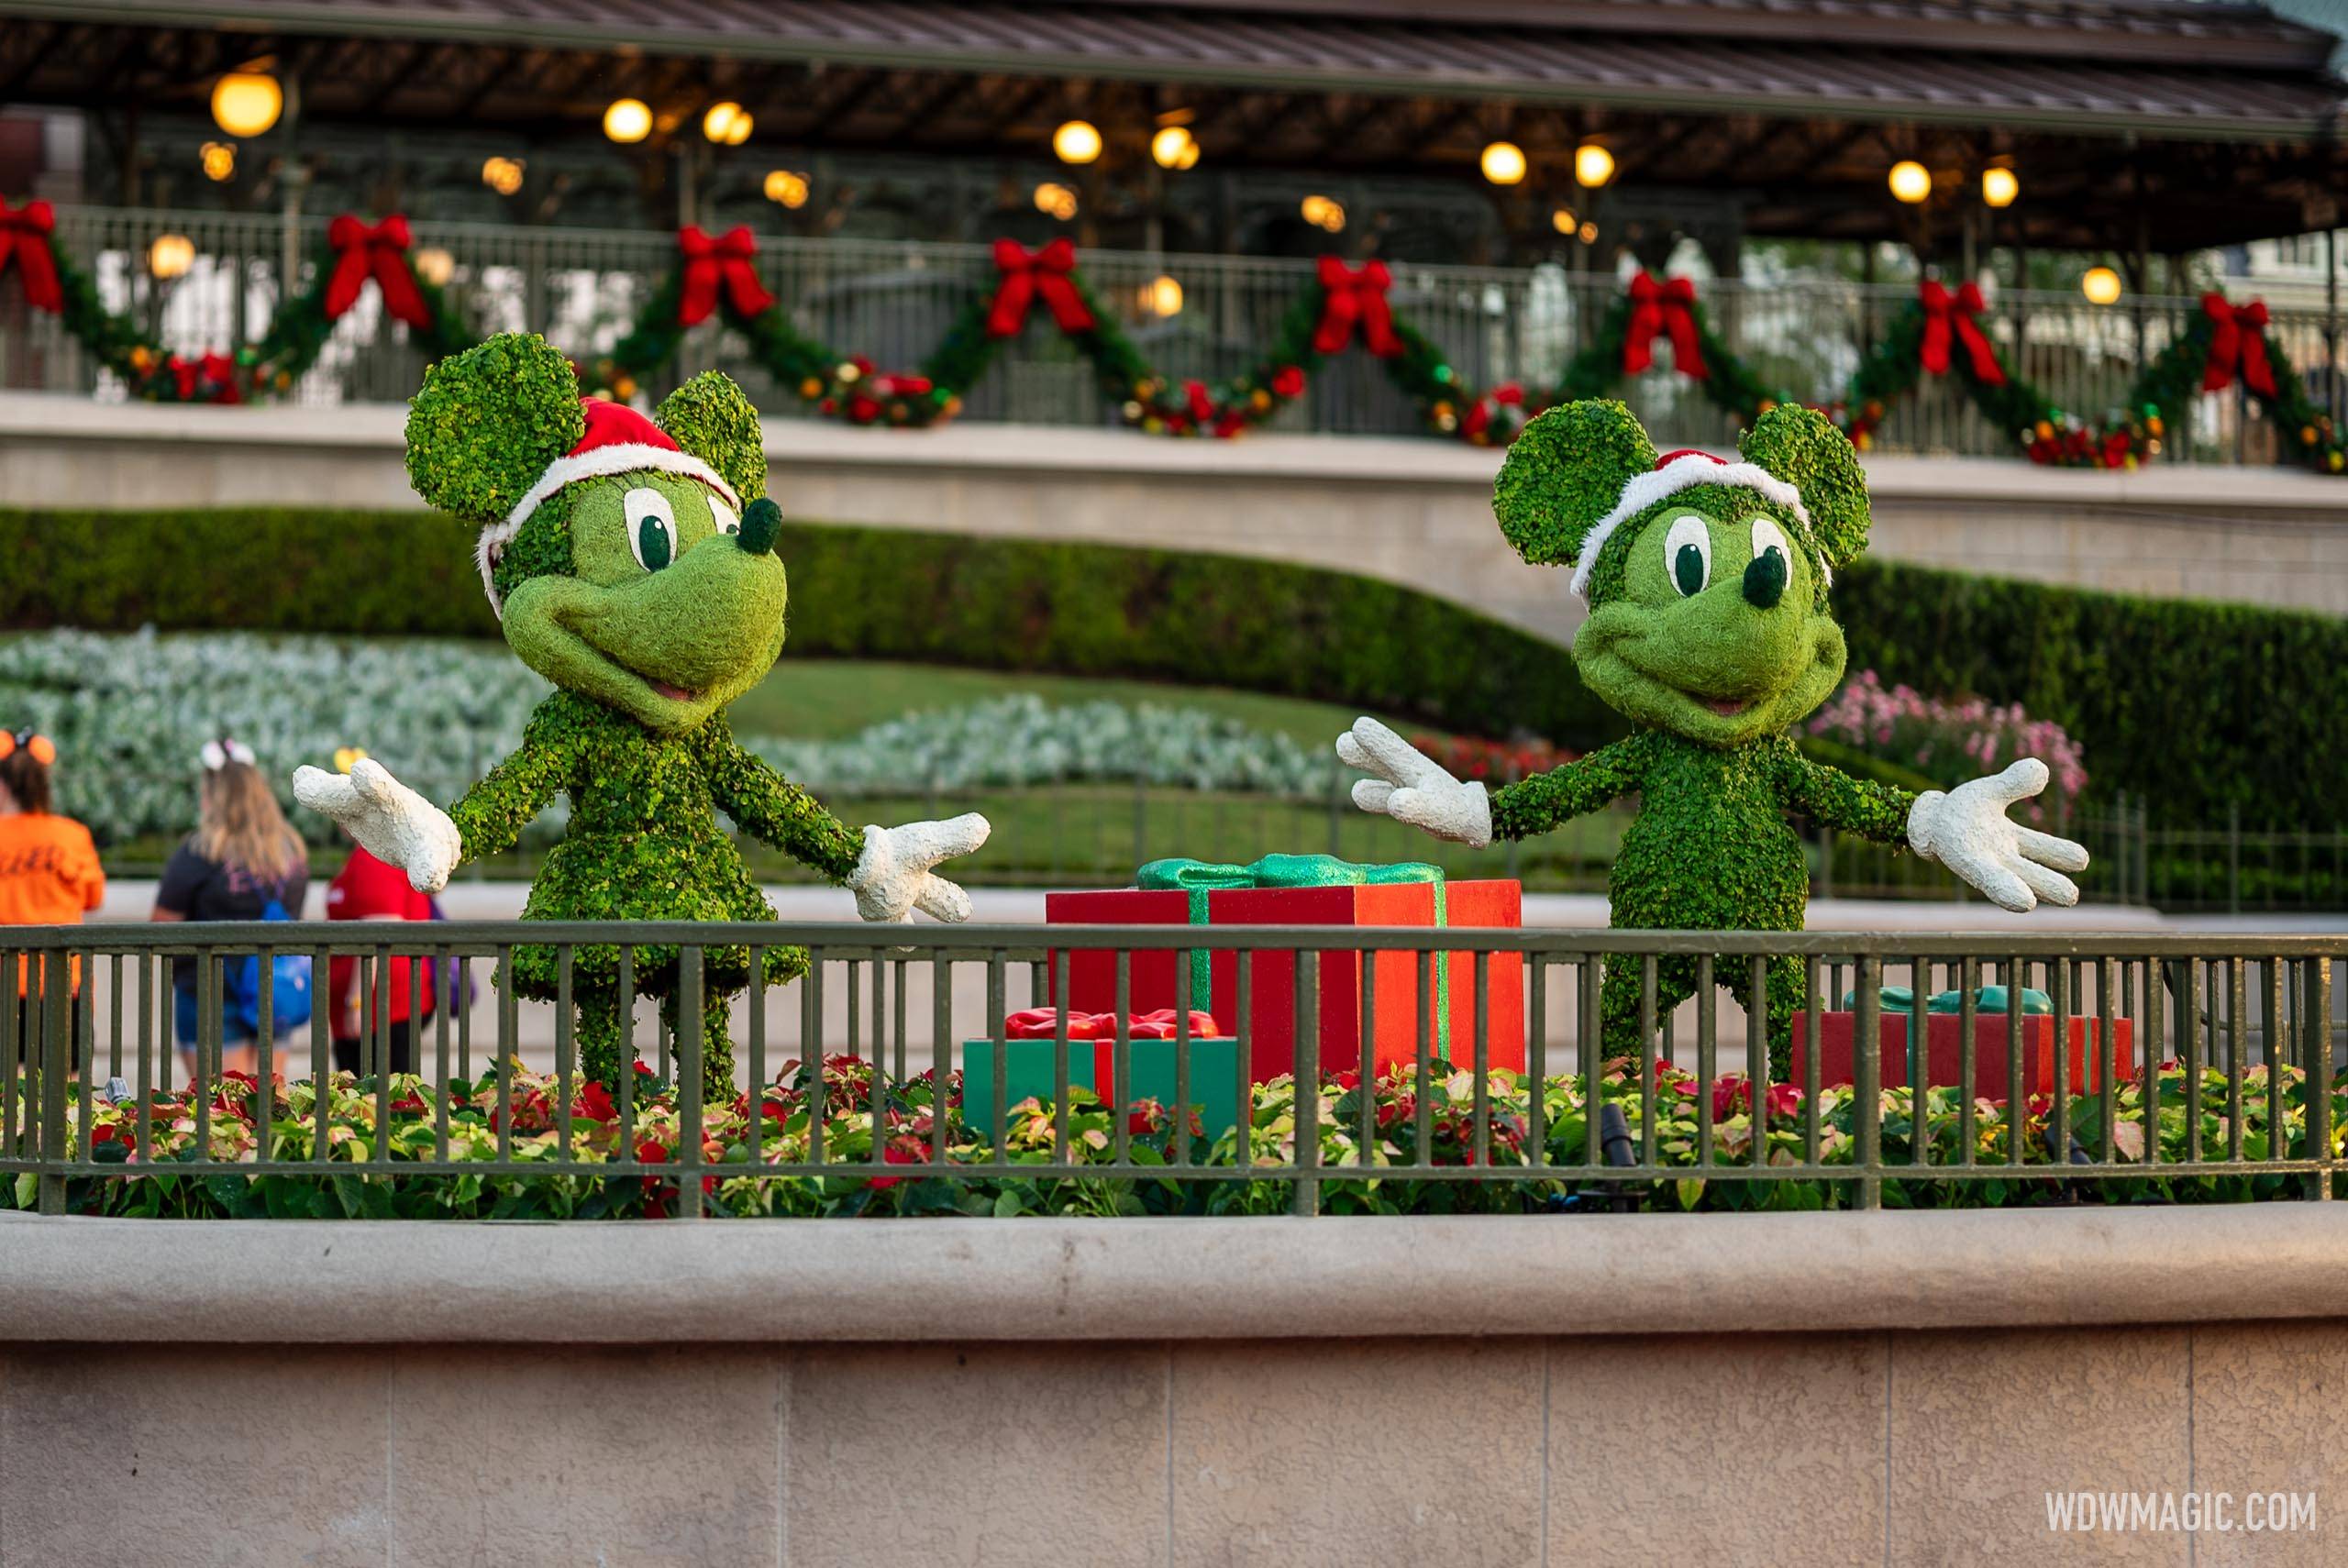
<point>1351,295</point>
<point>379,252</point>
<point>1657,308</point>
<point>218,369</point>
<point>24,237</point>
<point>1948,316</point>
<point>715,261</point>
<point>1479,418</point>
<point>2237,346</point>
<point>1044,272</point>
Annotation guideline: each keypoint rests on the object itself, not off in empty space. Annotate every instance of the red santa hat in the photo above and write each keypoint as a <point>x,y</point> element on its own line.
<point>1673,472</point>
<point>618,440</point>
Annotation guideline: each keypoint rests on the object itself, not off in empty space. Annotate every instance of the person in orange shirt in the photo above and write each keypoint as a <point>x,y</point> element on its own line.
<point>48,867</point>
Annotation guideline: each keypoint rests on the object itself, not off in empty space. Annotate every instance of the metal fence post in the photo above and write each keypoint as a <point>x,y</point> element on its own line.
<point>1307,1067</point>
<point>56,1054</point>
<point>690,1047</point>
<point>1866,1065</point>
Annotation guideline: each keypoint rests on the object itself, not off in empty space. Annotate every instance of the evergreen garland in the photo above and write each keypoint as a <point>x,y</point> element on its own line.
<point>851,388</point>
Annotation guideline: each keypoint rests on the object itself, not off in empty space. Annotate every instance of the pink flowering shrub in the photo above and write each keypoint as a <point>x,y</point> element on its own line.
<point>1952,740</point>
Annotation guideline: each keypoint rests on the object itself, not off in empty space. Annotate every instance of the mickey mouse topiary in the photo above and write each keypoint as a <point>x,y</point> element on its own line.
<point>630,560</point>
<point>1709,627</point>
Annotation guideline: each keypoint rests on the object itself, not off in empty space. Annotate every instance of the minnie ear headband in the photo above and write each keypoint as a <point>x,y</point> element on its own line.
<point>43,749</point>
<point>217,755</point>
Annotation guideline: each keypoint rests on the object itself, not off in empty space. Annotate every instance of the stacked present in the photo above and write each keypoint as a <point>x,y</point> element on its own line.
<point>2085,1058</point>
<point>1031,1046</point>
<point>1317,891</point>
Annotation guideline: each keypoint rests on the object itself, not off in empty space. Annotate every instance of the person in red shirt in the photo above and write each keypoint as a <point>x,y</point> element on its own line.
<point>368,889</point>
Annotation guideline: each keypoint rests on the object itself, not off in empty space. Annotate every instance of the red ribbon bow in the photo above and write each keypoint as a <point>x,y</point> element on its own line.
<point>1027,274</point>
<point>379,252</point>
<point>713,261</point>
<point>1043,1023</point>
<point>1656,308</point>
<point>1948,316</point>
<point>218,369</point>
<point>24,237</point>
<point>2237,346</point>
<point>1354,296</point>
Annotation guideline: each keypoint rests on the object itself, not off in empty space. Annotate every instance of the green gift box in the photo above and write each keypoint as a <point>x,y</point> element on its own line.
<point>1092,1064</point>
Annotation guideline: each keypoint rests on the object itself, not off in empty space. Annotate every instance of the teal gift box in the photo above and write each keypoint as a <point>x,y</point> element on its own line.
<point>1092,1064</point>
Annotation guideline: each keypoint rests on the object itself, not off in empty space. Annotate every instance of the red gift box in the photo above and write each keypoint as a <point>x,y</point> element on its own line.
<point>1944,1047</point>
<point>1469,905</point>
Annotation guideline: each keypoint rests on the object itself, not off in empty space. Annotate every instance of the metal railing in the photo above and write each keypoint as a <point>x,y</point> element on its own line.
<point>892,300</point>
<point>1453,1069</point>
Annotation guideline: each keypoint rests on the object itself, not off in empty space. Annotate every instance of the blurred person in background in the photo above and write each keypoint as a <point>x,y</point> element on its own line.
<point>243,862</point>
<point>48,871</point>
<point>368,889</point>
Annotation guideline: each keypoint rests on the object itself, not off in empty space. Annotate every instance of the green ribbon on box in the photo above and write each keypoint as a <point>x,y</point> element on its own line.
<point>1199,878</point>
<point>1989,999</point>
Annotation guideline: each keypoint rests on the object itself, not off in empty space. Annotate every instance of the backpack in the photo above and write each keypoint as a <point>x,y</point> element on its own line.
<point>289,987</point>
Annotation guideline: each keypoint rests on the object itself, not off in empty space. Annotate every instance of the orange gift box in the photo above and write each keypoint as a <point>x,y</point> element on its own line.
<point>1092,976</point>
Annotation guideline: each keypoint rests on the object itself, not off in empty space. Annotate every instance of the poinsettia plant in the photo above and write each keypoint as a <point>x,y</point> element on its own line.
<point>181,1156</point>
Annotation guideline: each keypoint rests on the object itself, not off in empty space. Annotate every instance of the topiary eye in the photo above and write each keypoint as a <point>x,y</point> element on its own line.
<point>727,523</point>
<point>651,529</point>
<point>1688,554</point>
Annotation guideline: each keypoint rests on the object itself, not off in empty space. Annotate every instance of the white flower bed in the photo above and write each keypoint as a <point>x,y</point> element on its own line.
<point>130,712</point>
<point>1023,740</point>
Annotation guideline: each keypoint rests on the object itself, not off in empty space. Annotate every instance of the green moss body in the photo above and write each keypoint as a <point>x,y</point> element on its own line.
<point>643,844</point>
<point>650,602</point>
<point>1709,628</point>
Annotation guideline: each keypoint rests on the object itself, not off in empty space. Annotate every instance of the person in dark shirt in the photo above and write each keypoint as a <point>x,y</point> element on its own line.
<point>242,856</point>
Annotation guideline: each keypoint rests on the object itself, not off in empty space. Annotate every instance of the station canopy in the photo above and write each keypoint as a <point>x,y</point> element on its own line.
<point>2165,125</point>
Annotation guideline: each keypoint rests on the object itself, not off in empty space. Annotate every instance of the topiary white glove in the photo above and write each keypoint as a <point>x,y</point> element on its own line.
<point>390,822</point>
<point>1966,830</point>
<point>892,878</point>
<point>1411,788</point>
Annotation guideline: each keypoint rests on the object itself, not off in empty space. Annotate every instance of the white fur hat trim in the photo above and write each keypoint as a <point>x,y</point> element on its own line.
<point>596,462</point>
<point>1684,471</point>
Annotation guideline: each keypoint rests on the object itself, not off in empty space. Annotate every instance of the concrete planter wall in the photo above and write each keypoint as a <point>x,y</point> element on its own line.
<point>1823,1389</point>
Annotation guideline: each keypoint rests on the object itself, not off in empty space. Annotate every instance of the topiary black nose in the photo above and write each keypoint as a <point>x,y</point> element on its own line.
<point>762,519</point>
<point>1765,579</point>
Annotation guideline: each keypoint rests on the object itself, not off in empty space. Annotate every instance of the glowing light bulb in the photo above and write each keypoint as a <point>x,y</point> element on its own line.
<point>628,119</point>
<point>246,103</point>
<point>1910,182</point>
<point>1502,162</point>
<point>1076,141</point>
<point>1593,165</point>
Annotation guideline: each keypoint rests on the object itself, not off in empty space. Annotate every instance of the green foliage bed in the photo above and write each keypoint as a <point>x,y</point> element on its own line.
<point>399,1121</point>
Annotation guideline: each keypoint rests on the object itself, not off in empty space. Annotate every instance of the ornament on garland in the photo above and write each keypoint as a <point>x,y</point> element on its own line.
<point>1657,309</point>
<point>1952,315</point>
<point>1355,297</point>
<point>25,238</point>
<point>377,251</point>
<point>1048,274</point>
<point>2237,346</point>
<point>716,262</point>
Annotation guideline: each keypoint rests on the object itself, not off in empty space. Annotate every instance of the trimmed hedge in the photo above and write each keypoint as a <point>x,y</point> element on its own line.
<point>854,593</point>
<point>2193,706</point>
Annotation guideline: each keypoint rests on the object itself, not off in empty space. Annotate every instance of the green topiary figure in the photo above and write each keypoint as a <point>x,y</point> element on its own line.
<point>631,562</point>
<point>1709,627</point>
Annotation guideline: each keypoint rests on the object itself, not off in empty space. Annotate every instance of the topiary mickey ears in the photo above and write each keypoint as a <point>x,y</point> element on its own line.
<point>487,423</point>
<point>709,418</point>
<point>1802,446</point>
<point>1563,473</point>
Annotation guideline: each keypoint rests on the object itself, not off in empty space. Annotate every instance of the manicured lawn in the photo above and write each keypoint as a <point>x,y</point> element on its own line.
<point>819,698</point>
